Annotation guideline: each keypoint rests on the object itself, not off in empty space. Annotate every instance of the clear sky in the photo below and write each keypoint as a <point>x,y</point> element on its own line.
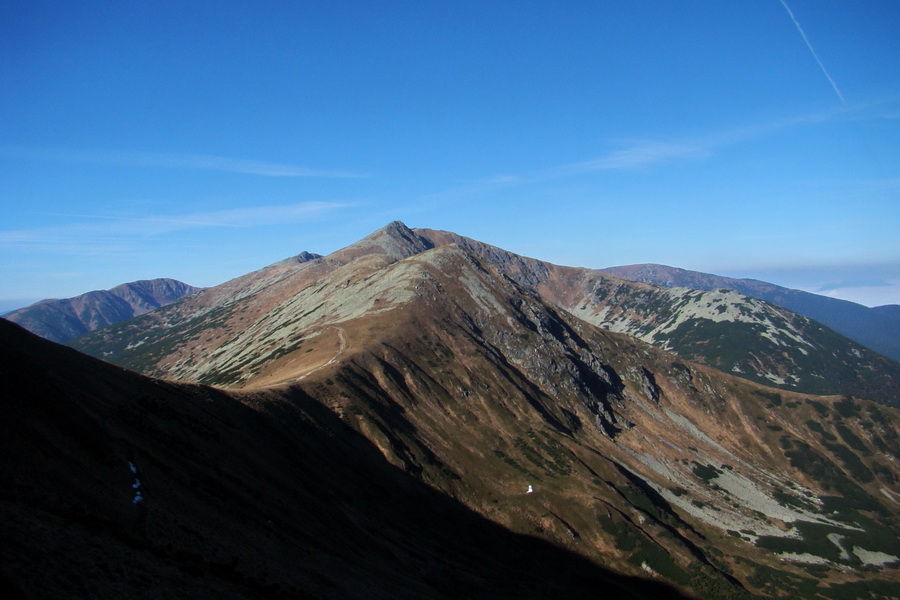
<point>203,140</point>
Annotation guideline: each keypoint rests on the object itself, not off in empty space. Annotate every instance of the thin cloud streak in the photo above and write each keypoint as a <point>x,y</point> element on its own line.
<point>813,52</point>
<point>641,154</point>
<point>110,229</point>
<point>633,156</point>
<point>172,161</point>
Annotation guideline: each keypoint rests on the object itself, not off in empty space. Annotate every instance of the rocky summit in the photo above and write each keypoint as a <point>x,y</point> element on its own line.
<point>421,415</point>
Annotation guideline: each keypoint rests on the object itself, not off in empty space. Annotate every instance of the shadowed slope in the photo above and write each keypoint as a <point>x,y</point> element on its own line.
<point>251,496</point>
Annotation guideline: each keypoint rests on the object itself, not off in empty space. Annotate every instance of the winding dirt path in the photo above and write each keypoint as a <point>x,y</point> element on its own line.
<point>342,347</point>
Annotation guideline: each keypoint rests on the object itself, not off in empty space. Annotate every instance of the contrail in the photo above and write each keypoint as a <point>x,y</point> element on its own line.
<point>813,52</point>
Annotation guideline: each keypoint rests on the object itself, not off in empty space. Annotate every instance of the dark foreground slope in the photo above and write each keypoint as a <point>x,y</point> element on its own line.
<point>253,496</point>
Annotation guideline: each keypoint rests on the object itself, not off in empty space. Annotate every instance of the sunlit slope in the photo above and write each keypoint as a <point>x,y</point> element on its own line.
<point>876,328</point>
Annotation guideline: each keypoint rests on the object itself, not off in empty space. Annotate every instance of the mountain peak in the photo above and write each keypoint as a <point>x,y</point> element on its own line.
<point>306,256</point>
<point>303,257</point>
<point>60,320</point>
<point>395,240</point>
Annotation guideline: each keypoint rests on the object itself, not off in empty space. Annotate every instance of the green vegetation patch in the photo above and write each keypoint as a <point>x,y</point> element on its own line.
<point>819,406</point>
<point>814,540</point>
<point>829,476</point>
<point>706,473</point>
<point>851,462</point>
<point>626,536</point>
<point>847,408</point>
<point>788,499</point>
<point>511,462</point>
<point>817,427</point>
<point>774,398</point>
<point>851,439</point>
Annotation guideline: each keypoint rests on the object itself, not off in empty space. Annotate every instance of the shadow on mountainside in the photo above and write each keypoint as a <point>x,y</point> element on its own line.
<point>115,485</point>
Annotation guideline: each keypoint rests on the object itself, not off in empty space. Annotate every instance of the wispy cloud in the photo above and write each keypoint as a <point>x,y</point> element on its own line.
<point>632,155</point>
<point>813,52</point>
<point>641,154</point>
<point>105,231</point>
<point>171,161</point>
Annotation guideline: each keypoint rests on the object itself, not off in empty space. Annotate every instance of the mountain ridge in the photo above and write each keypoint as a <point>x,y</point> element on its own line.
<point>877,328</point>
<point>734,333</point>
<point>60,320</point>
<point>695,329</point>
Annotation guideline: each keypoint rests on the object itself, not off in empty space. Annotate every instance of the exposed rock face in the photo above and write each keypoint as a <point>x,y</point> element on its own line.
<point>62,320</point>
<point>876,328</point>
<point>470,370</point>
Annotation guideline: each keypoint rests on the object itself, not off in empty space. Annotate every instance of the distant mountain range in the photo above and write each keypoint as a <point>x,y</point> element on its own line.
<point>877,328</point>
<point>420,415</point>
<point>62,320</point>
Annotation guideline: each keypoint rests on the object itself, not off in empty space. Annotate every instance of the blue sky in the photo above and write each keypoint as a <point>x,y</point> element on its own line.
<point>203,140</point>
